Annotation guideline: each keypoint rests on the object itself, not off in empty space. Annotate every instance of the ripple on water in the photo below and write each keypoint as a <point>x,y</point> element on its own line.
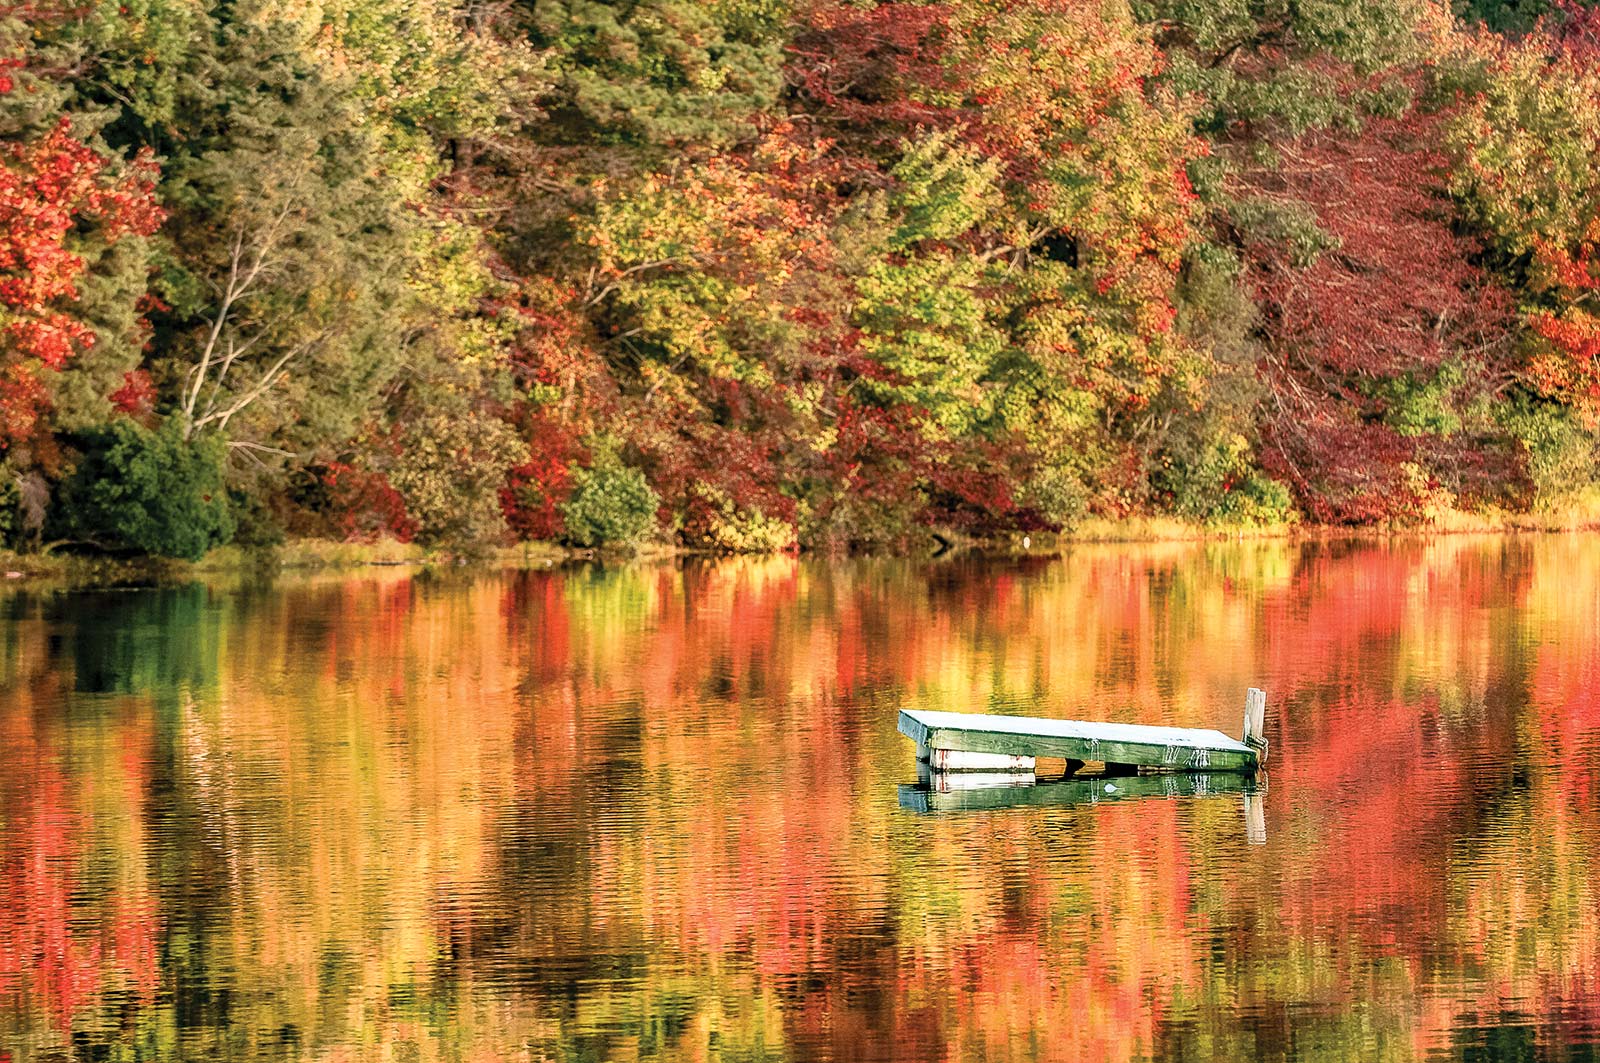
<point>654,812</point>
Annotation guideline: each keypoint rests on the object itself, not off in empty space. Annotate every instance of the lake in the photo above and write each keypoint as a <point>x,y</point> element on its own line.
<point>655,812</point>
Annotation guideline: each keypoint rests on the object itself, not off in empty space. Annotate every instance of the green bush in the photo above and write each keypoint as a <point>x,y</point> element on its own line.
<point>255,525</point>
<point>1420,406</point>
<point>10,508</point>
<point>1561,451</point>
<point>610,505</point>
<point>149,491</point>
<point>1255,501</point>
<point>1222,486</point>
<point>1059,494</point>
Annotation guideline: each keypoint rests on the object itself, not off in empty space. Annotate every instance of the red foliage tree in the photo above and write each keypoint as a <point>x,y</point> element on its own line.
<point>1567,364</point>
<point>364,505</point>
<point>1576,29</point>
<point>534,490</point>
<point>137,395</point>
<point>52,191</point>
<point>1395,296</point>
<point>556,362</point>
<point>878,69</point>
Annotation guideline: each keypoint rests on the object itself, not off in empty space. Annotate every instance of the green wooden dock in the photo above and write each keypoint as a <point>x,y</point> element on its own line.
<point>958,741</point>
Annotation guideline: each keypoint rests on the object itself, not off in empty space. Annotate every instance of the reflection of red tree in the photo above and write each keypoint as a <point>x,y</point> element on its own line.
<point>1363,765</point>
<point>38,952</point>
<point>1566,684</point>
<point>52,950</point>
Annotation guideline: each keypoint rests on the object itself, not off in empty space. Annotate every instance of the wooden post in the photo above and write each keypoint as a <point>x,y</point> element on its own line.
<point>1255,721</point>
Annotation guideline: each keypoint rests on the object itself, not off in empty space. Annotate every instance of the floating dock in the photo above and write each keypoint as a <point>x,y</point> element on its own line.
<point>958,741</point>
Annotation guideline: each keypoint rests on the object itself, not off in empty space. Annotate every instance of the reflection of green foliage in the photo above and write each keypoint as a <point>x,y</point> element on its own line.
<point>156,642</point>
<point>150,491</point>
<point>607,602</point>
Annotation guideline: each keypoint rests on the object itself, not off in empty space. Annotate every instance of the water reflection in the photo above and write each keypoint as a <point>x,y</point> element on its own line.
<point>654,813</point>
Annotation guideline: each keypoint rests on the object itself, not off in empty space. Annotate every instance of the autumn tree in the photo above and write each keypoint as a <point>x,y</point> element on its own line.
<point>74,218</point>
<point>821,272</point>
<point>661,73</point>
<point>56,195</point>
<point>1383,334</point>
<point>1526,150</point>
<point>317,282</point>
<point>282,289</point>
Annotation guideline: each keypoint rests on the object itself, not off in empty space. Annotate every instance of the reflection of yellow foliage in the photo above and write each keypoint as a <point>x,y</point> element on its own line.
<point>668,792</point>
<point>352,797</point>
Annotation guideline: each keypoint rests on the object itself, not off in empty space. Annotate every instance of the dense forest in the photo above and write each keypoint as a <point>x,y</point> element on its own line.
<point>758,274</point>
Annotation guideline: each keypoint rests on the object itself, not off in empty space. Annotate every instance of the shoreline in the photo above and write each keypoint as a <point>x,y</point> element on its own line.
<point>80,571</point>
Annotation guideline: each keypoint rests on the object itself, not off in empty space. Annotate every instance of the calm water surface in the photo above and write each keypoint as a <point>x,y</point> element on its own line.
<point>655,813</point>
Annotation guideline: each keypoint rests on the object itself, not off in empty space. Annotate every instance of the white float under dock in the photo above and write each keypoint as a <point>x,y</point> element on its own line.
<point>973,792</point>
<point>959,741</point>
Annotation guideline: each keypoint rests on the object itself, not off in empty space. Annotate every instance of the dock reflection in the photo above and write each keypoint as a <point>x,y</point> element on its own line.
<point>937,792</point>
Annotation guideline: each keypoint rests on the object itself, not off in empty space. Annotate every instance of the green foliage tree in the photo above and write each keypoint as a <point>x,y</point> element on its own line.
<point>1563,453</point>
<point>610,505</point>
<point>659,72</point>
<point>288,312</point>
<point>155,492</point>
<point>10,509</point>
<point>1527,142</point>
<point>1279,67</point>
<point>1526,171</point>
